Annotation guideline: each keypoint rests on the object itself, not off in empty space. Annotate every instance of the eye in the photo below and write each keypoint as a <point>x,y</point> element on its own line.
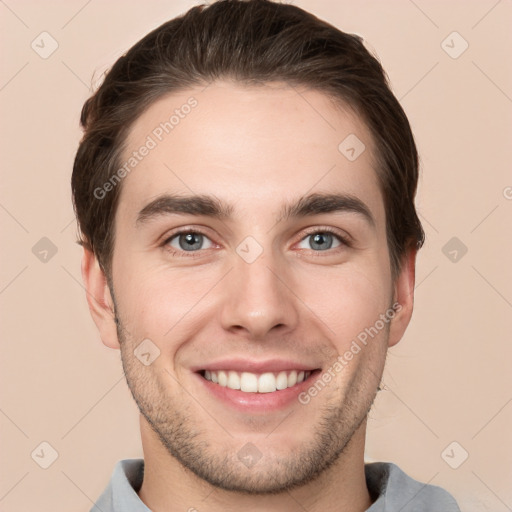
<point>189,241</point>
<point>321,240</point>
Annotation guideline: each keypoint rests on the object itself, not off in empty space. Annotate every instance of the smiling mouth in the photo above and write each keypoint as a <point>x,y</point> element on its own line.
<point>248,382</point>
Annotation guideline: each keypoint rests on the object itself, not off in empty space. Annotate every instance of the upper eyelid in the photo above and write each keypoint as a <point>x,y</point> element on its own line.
<point>343,237</point>
<point>167,238</point>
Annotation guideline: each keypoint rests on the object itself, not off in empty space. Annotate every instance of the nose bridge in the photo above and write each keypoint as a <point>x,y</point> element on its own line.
<point>257,298</point>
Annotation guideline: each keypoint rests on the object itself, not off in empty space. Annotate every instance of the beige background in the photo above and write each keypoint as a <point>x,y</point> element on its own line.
<point>448,380</point>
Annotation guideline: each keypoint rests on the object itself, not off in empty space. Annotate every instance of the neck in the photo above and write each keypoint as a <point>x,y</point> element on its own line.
<point>168,486</point>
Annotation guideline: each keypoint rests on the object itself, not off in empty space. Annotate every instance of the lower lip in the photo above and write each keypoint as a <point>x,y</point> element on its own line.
<point>258,402</point>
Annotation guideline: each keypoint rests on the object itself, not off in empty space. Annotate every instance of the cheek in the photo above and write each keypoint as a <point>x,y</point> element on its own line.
<point>348,300</point>
<point>158,302</point>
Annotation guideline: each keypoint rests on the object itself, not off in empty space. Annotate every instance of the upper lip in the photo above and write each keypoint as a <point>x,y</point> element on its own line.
<point>255,366</point>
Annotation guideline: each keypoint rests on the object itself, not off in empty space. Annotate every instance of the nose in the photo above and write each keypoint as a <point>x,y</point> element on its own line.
<point>259,299</point>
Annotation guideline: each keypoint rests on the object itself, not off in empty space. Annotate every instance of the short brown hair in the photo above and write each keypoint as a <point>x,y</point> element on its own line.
<point>248,41</point>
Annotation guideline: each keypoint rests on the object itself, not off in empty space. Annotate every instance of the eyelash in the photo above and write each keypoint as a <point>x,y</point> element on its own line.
<point>194,254</point>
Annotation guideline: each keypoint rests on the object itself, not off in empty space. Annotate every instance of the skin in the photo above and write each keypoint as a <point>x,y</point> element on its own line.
<point>255,147</point>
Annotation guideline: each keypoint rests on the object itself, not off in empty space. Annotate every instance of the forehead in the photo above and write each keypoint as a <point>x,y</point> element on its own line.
<point>253,146</point>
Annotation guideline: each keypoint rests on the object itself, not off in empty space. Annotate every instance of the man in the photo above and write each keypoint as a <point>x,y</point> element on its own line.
<point>245,196</point>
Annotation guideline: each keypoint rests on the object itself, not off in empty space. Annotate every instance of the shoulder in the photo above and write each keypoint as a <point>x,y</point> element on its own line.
<point>394,490</point>
<point>121,492</point>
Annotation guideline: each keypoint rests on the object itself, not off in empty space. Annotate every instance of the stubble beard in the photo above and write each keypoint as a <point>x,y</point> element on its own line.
<point>185,438</point>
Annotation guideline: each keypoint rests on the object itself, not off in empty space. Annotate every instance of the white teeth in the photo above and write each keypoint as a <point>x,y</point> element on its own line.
<point>249,382</point>
<point>233,380</point>
<point>266,383</point>
<point>223,379</point>
<point>282,380</point>
<point>256,383</point>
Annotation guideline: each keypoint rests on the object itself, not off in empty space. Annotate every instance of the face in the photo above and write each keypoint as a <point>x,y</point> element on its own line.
<point>254,318</point>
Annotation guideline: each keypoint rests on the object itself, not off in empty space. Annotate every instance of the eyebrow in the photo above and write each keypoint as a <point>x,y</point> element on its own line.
<point>210,206</point>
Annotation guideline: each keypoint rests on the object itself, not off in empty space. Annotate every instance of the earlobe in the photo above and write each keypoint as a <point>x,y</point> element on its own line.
<point>403,297</point>
<point>99,299</point>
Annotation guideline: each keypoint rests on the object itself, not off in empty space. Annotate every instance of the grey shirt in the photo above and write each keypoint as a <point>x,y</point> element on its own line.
<point>390,488</point>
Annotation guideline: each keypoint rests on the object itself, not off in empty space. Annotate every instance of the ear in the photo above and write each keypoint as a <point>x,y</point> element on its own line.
<point>99,299</point>
<point>403,297</point>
